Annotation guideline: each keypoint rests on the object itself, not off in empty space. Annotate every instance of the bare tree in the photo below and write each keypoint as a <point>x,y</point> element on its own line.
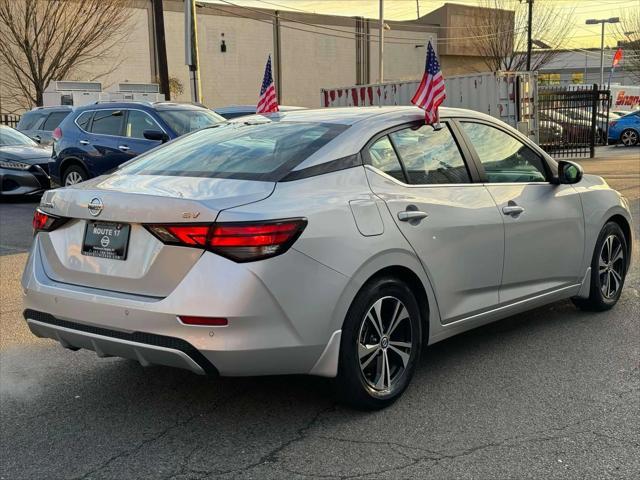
<point>628,35</point>
<point>502,34</point>
<point>45,40</point>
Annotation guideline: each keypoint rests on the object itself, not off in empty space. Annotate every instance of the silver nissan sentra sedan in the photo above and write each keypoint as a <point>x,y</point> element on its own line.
<point>332,242</point>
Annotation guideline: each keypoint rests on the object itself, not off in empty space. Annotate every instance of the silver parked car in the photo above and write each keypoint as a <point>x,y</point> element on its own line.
<point>331,242</point>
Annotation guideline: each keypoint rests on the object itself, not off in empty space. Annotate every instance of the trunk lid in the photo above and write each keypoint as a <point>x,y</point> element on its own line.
<point>151,268</point>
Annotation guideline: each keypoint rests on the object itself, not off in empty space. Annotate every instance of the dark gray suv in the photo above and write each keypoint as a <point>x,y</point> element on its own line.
<point>40,122</point>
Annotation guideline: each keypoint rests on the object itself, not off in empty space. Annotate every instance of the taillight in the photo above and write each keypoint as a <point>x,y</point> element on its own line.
<point>57,134</point>
<point>239,241</point>
<point>45,222</point>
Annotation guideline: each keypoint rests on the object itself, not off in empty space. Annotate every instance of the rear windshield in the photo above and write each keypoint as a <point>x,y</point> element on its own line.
<point>185,121</point>
<point>257,151</point>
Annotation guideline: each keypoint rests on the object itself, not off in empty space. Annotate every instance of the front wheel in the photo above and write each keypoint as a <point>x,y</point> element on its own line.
<point>380,344</point>
<point>608,270</point>
<point>629,137</point>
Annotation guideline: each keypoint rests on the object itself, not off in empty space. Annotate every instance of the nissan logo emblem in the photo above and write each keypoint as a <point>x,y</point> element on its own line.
<point>95,207</point>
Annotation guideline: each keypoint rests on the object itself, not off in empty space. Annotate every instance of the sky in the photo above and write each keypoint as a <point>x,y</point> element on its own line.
<point>582,36</point>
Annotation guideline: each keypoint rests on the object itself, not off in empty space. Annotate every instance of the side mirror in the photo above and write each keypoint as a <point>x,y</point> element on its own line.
<point>569,172</point>
<point>155,135</point>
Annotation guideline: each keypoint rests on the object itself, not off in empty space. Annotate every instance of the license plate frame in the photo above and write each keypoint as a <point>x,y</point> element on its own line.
<point>108,240</point>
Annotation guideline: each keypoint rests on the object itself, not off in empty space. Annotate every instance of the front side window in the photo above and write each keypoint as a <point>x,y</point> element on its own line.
<point>384,158</point>
<point>138,122</point>
<point>430,156</point>
<point>107,122</point>
<point>258,151</point>
<point>505,159</point>
<point>185,121</point>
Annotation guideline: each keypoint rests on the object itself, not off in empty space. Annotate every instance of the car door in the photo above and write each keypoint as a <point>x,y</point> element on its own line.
<point>543,221</point>
<point>136,123</point>
<point>107,139</point>
<point>452,224</point>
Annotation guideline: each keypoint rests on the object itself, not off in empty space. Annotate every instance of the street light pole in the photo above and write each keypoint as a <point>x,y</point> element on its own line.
<point>602,21</point>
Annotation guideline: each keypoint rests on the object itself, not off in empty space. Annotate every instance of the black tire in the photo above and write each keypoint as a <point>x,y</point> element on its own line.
<point>629,137</point>
<point>74,171</point>
<point>355,384</point>
<point>602,272</point>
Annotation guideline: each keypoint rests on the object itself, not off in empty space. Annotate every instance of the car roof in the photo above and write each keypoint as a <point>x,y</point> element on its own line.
<point>252,108</point>
<point>59,108</point>
<point>353,115</point>
<point>104,105</point>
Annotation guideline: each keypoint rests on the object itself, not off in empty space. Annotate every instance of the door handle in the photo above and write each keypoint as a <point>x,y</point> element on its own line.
<point>124,148</point>
<point>408,215</point>
<point>84,142</point>
<point>513,210</point>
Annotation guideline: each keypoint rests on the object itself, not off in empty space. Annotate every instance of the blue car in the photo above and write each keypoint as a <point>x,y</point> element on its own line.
<point>97,138</point>
<point>625,130</point>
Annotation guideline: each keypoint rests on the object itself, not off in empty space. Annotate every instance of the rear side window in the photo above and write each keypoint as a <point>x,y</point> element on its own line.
<point>430,156</point>
<point>107,122</point>
<point>138,122</point>
<point>30,120</point>
<point>84,119</point>
<point>53,120</point>
<point>384,158</point>
<point>259,151</point>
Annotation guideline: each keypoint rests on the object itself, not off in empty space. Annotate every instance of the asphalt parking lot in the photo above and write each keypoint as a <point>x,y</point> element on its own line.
<point>553,393</point>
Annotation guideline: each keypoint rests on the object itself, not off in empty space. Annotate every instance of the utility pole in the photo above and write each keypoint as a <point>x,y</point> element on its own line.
<point>161,47</point>
<point>277,56</point>
<point>529,34</point>
<point>191,49</point>
<point>380,44</point>
<point>418,8</point>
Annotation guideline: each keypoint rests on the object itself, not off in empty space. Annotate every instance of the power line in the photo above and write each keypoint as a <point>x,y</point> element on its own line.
<point>288,19</point>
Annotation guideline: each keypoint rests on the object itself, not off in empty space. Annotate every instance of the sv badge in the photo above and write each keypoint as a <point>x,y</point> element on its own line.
<point>190,214</point>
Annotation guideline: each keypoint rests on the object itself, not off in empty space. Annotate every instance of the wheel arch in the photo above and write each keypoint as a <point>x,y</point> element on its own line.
<point>400,264</point>
<point>70,161</point>
<point>625,226</point>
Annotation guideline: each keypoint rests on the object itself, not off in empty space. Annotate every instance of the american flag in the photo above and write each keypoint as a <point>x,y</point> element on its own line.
<point>431,92</point>
<point>268,102</point>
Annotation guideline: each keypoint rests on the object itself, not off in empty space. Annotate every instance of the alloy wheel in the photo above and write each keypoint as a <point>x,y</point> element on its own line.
<point>629,138</point>
<point>72,179</point>
<point>384,344</point>
<point>611,265</point>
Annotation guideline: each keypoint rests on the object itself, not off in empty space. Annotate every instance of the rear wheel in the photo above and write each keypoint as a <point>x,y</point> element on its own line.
<point>73,175</point>
<point>608,270</point>
<point>380,345</point>
<point>629,137</point>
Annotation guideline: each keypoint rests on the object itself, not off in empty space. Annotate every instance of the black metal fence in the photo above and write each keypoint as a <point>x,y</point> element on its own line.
<point>572,120</point>
<point>9,119</point>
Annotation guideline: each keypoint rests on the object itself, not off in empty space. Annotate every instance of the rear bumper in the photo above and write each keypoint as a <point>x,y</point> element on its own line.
<point>274,327</point>
<point>147,349</point>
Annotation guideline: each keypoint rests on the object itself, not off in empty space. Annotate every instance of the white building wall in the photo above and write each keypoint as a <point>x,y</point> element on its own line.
<point>309,61</point>
<point>404,55</point>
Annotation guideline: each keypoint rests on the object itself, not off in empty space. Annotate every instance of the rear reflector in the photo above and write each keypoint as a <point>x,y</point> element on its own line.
<point>45,222</point>
<point>209,321</point>
<point>240,242</point>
